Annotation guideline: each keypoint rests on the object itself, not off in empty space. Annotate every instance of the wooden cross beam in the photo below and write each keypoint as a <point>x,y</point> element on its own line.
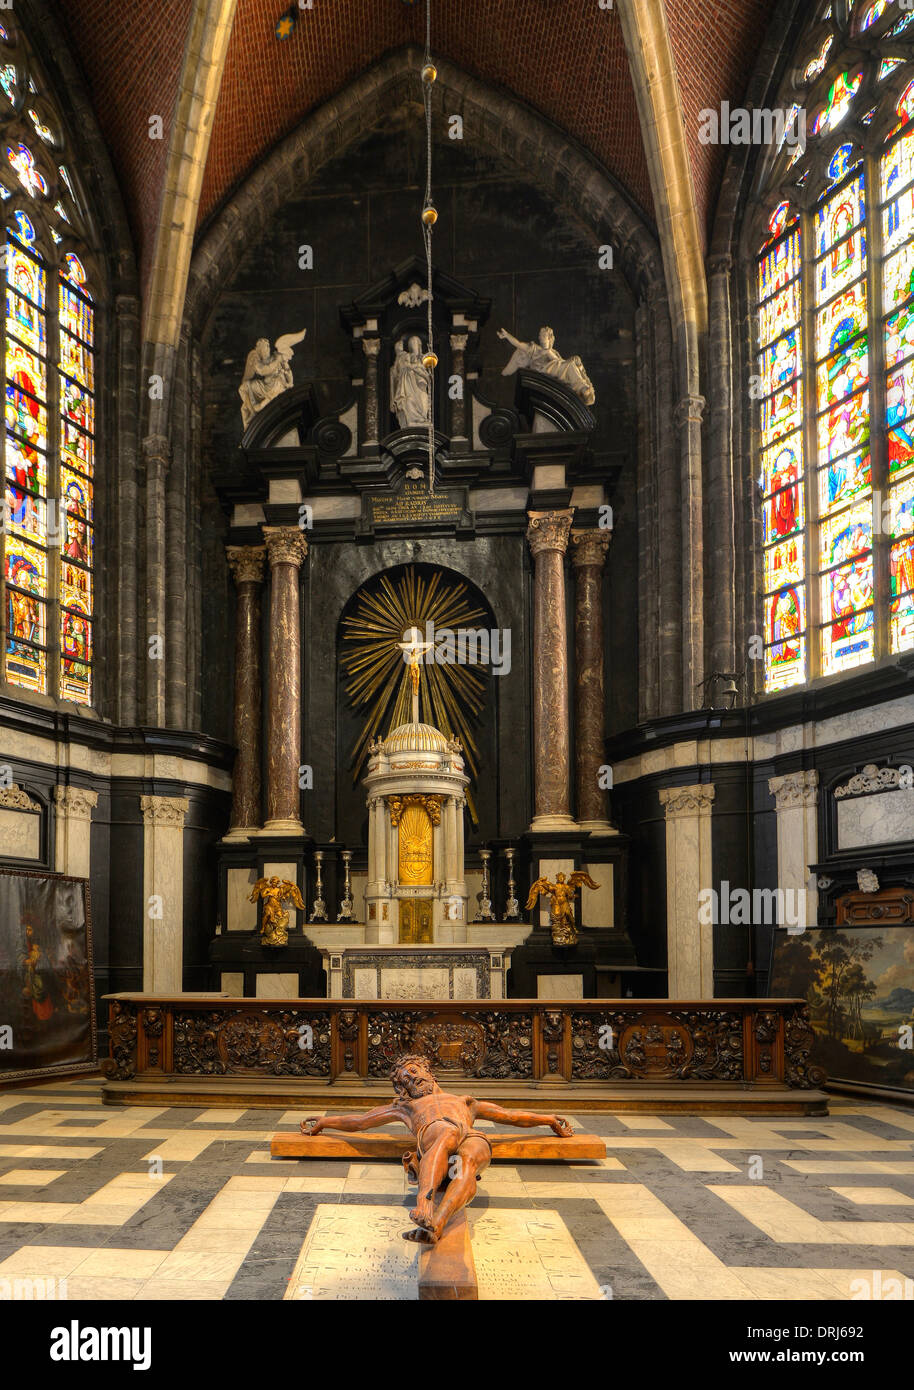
<point>536,1148</point>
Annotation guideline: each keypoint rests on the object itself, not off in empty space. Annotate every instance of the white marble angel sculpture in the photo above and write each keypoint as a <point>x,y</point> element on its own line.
<point>266,374</point>
<point>542,357</point>
<point>410,385</point>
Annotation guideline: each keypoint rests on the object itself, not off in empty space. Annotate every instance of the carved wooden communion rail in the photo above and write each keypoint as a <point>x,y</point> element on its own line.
<point>729,1044</point>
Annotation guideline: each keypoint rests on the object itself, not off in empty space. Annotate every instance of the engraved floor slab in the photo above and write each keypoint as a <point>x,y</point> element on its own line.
<point>355,1253</point>
<point>528,1255</point>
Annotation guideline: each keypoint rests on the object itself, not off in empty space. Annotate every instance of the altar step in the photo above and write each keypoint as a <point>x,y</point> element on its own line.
<point>313,1096</point>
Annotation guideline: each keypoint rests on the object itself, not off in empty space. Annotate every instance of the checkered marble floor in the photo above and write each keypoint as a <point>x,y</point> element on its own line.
<point>154,1203</point>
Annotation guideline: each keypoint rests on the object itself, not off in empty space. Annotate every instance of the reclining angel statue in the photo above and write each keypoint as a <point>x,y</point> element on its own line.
<point>447,1145</point>
<point>543,357</point>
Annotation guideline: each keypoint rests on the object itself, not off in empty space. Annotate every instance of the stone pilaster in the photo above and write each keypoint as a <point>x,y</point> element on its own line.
<point>371,347</point>
<point>796,800</point>
<point>458,368</point>
<point>157,453</point>
<point>588,552</point>
<point>163,893</point>
<point>72,831</point>
<point>689,940</point>
<point>688,416</point>
<point>286,548</point>
<point>246,563</point>
<point>547,535</point>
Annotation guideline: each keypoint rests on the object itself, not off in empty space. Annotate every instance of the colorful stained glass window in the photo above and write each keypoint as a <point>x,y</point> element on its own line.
<point>40,128</point>
<point>838,102</point>
<point>48,541</point>
<point>905,108</point>
<point>817,64</point>
<point>23,161</point>
<point>889,65</point>
<point>904,23</point>
<point>873,12</point>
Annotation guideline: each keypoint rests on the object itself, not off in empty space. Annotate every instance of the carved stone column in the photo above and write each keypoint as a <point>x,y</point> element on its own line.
<point>371,347</point>
<point>588,552</point>
<point>163,893</point>
<point>796,800</point>
<point>73,829</point>
<point>689,933</point>
<point>458,368</point>
<point>246,563</point>
<point>286,548</point>
<point>547,535</point>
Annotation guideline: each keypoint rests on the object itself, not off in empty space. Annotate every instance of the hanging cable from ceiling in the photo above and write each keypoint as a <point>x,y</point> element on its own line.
<point>429,218</point>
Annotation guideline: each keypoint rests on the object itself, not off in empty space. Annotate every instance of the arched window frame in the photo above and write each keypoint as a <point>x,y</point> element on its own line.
<point>63,520</point>
<point>803,183</point>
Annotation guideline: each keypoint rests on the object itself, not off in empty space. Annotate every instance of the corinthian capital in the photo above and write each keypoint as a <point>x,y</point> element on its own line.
<point>588,548</point>
<point>285,545</point>
<point>75,802</point>
<point>549,531</point>
<point>246,562</point>
<point>687,801</point>
<point>164,810</point>
<point>794,789</point>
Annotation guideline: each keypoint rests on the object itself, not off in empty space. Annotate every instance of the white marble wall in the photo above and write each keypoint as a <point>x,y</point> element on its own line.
<point>690,942</point>
<point>880,819</point>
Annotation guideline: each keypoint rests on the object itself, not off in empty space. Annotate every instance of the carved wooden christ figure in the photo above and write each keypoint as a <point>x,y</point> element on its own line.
<point>447,1145</point>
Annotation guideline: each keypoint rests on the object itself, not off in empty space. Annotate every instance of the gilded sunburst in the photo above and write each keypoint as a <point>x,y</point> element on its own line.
<point>451,695</point>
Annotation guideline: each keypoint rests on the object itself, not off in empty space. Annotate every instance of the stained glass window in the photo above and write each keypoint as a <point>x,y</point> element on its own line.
<point>48,540</point>
<point>835,363</point>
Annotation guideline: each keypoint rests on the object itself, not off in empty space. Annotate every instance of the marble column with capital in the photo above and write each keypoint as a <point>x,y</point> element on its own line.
<point>458,369</point>
<point>163,893</point>
<point>796,803</point>
<point>689,932</point>
<point>588,552</point>
<point>286,549</point>
<point>371,347</point>
<point>74,807</point>
<point>247,565</point>
<point>547,536</point>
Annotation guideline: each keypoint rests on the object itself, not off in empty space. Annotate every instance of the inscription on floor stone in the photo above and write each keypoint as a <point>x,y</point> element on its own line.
<point>528,1255</point>
<point>355,1253</point>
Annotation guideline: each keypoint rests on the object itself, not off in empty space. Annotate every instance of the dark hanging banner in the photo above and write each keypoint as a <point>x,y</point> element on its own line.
<point>47,988</point>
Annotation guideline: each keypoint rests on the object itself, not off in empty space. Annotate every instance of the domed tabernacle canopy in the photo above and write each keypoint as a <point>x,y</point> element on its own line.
<point>415,738</point>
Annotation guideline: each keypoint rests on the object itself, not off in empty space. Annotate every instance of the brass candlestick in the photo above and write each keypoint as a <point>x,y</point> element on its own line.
<point>512,908</point>
<point>319,913</point>
<point>485,913</point>
<point>345,912</point>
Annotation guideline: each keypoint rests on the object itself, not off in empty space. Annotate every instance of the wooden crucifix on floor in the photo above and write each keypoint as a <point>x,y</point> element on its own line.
<point>449,1153</point>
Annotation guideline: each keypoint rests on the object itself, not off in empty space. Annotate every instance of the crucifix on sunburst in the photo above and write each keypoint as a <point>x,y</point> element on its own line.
<point>414,648</point>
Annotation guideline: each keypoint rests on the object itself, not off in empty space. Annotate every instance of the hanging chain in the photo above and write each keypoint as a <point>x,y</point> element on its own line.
<point>427,236</point>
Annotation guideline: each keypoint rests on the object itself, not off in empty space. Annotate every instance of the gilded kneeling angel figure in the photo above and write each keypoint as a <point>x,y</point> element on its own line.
<point>274,926</point>
<point>561,903</point>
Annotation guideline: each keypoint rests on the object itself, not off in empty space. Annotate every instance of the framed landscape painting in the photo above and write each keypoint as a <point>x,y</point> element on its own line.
<point>47,989</point>
<point>859,984</point>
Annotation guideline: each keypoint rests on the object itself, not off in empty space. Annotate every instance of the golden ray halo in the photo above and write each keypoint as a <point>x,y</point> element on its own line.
<point>377,677</point>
